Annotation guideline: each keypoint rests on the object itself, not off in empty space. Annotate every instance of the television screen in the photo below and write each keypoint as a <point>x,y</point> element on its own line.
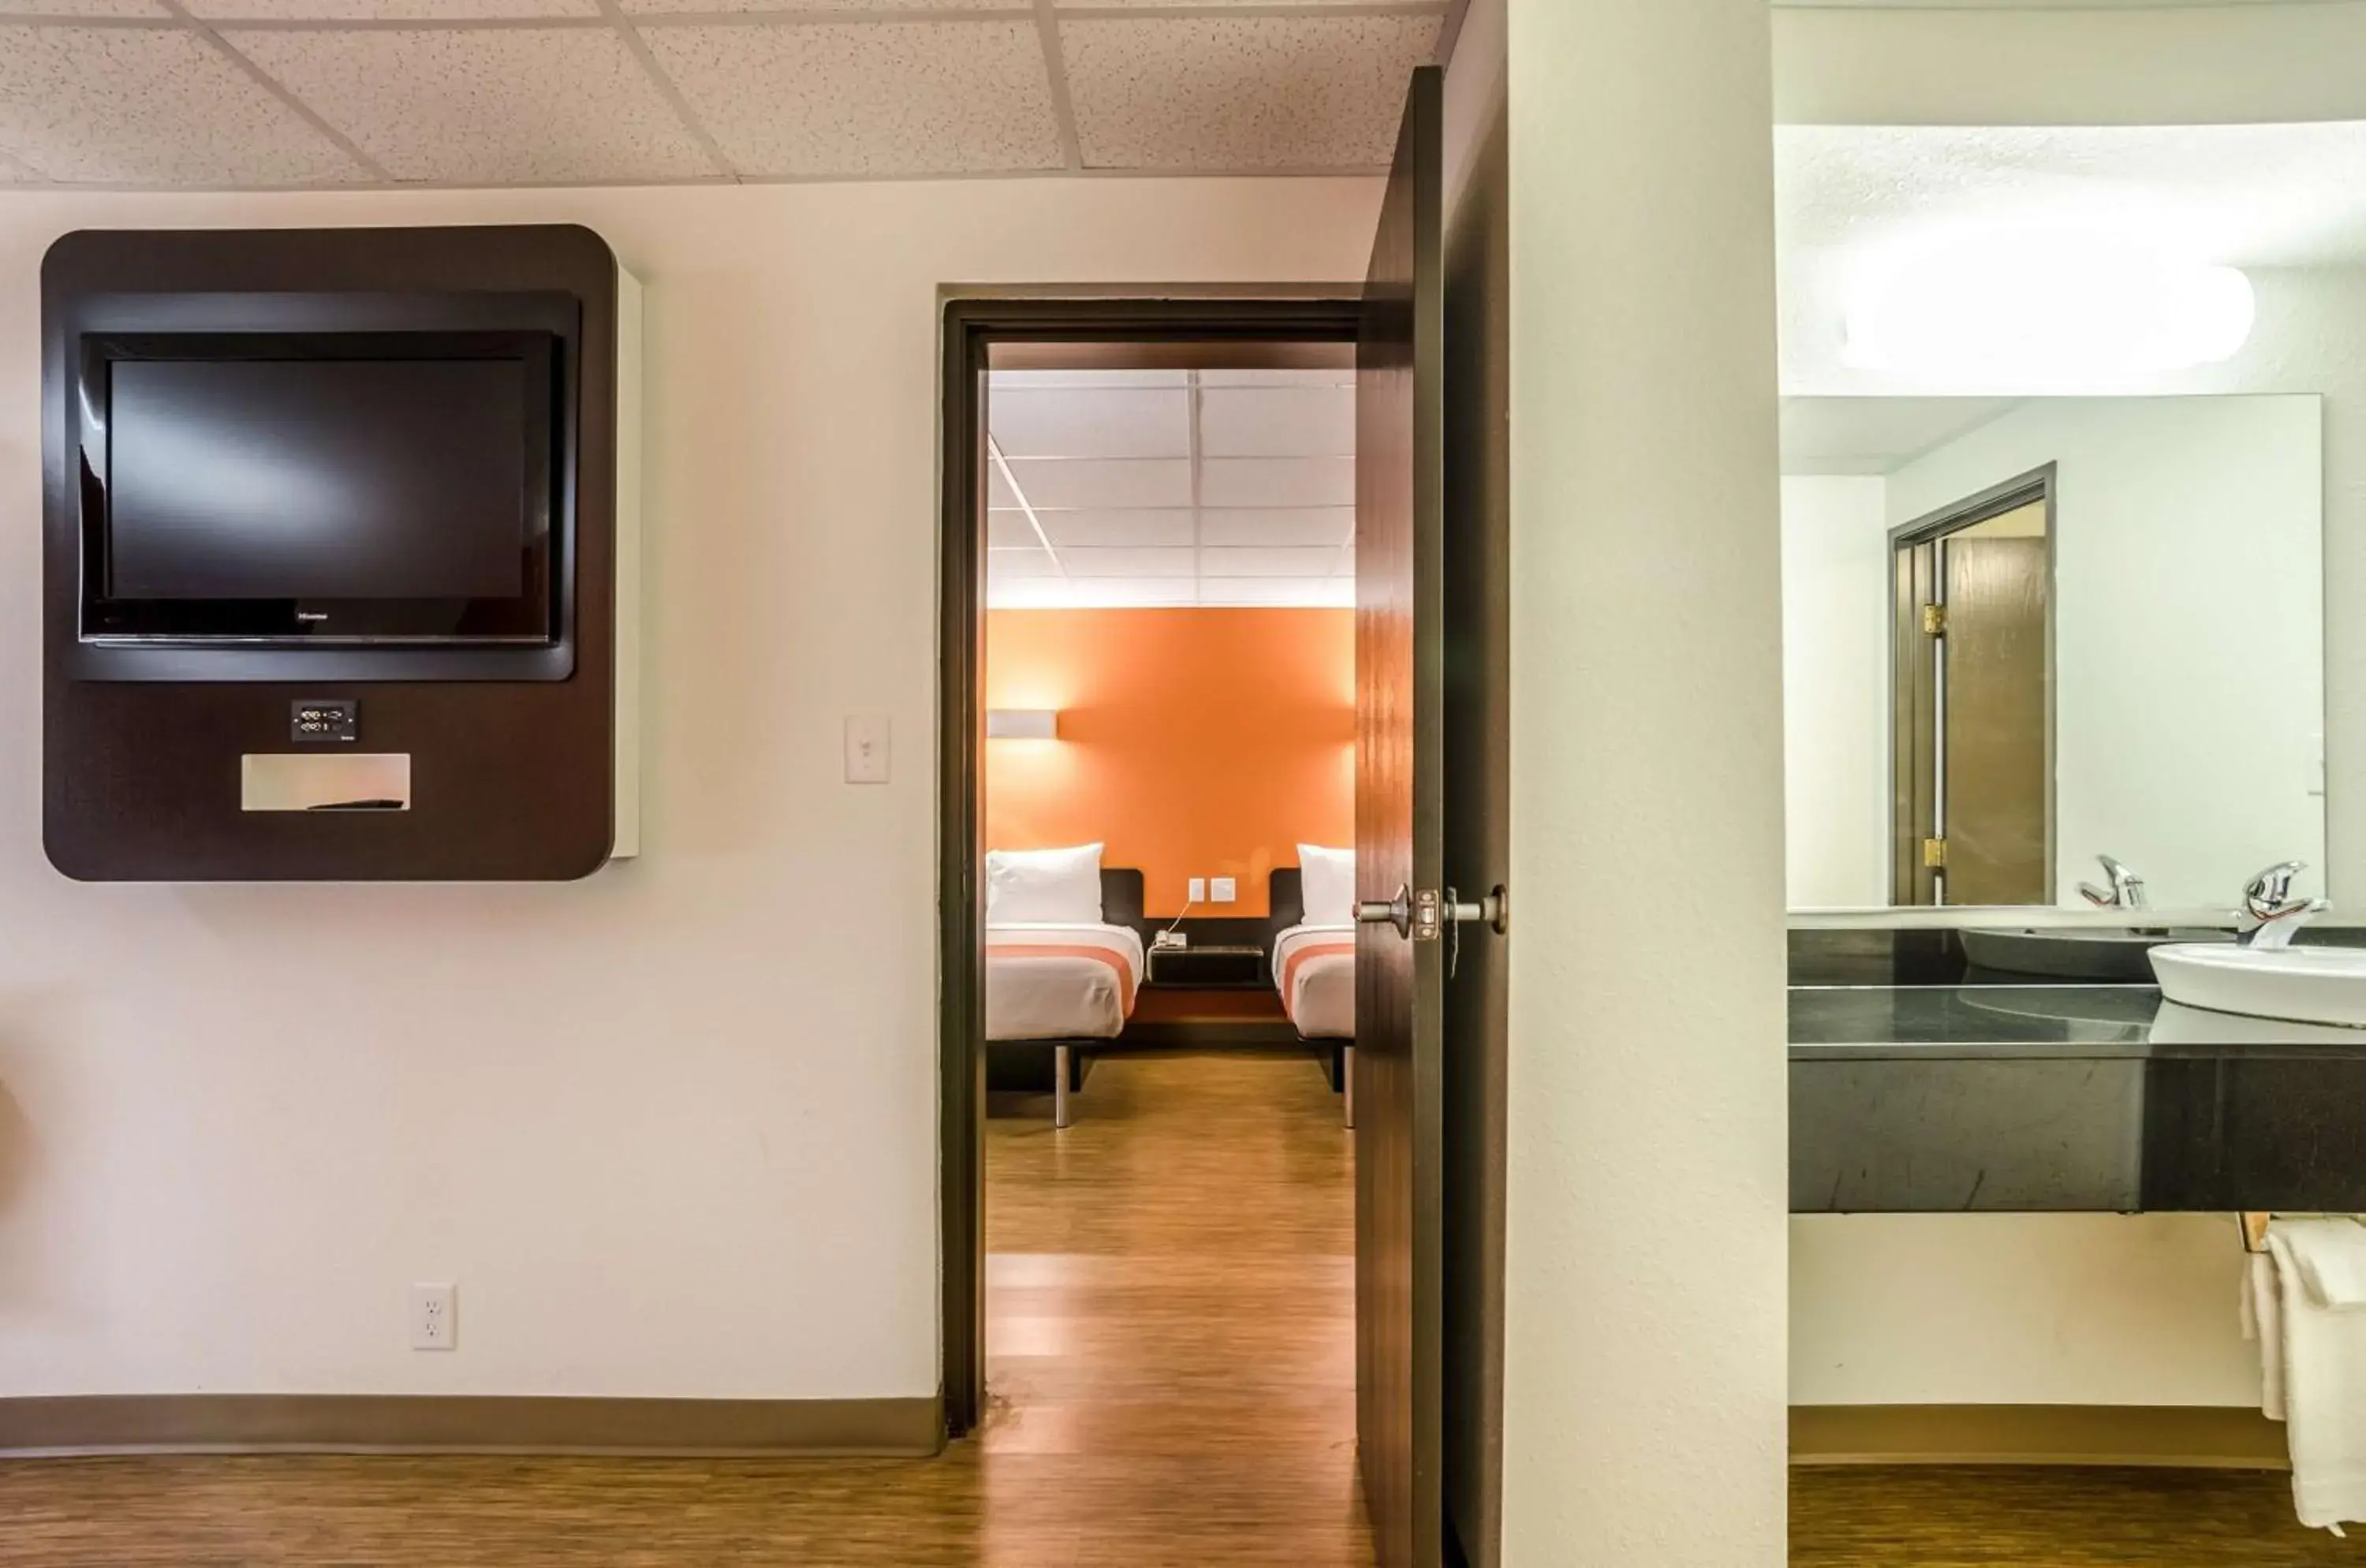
<point>329,479</point>
<point>360,487</point>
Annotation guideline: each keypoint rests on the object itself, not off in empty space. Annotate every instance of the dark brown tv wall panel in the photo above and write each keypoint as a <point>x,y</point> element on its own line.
<point>340,555</point>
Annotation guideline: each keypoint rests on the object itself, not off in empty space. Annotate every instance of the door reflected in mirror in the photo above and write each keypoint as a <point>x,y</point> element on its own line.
<point>2051,651</point>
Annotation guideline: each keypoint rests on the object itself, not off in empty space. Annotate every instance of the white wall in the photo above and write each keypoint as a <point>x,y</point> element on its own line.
<point>1646,1158</point>
<point>2311,337</point>
<point>2017,1309</point>
<point>1835,691</point>
<point>1922,63</point>
<point>671,1131</point>
<point>1474,95</point>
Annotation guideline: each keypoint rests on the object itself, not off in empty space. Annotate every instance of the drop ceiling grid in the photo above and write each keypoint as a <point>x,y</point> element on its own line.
<point>443,93</point>
<point>1171,488</point>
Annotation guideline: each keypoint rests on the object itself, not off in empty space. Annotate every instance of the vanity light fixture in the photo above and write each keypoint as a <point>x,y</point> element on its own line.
<point>1022,724</point>
<point>2018,310</point>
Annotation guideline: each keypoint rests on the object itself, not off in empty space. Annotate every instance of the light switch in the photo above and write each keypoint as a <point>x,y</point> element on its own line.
<point>867,748</point>
<point>1198,893</point>
<point>1221,890</point>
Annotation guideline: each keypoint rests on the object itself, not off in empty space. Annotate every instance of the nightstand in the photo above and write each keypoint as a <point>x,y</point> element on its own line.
<point>1211,966</point>
<point>1208,994</point>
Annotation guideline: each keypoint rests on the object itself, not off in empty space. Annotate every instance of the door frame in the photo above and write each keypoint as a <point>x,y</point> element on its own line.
<point>2039,484</point>
<point>973,322</point>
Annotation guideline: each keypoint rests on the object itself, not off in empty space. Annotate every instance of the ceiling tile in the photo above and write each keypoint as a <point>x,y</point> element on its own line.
<point>665,8</point>
<point>1228,563</point>
<point>1344,375</point>
<point>1438,7</point>
<point>1010,530</point>
<point>140,105</point>
<point>1127,563</point>
<point>486,106</point>
<point>868,98</point>
<point>1301,591</point>
<point>1008,381</point>
<point>1875,436</point>
<point>1028,562</point>
<point>1119,485</point>
<point>384,10</point>
<point>1088,592</point>
<point>1027,594</point>
<point>1091,424</point>
<point>1304,91</point>
<point>1277,481</point>
<point>81,8</point>
<point>1121,530</point>
<point>1240,422</point>
<point>1308,525</point>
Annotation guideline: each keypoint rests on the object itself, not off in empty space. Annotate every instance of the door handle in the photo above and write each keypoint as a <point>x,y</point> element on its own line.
<point>1494,910</point>
<point>1396,911</point>
<point>1423,916</point>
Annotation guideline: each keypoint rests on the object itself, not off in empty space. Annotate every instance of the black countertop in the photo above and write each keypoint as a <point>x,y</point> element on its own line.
<point>2097,1022</point>
<point>2006,1097</point>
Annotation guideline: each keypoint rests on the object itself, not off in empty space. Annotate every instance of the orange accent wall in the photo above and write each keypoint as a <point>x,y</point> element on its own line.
<point>1194,742</point>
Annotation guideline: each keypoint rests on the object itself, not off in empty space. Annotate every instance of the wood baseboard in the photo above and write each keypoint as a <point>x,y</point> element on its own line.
<point>304,1423</point>
<point>2183,1436</point>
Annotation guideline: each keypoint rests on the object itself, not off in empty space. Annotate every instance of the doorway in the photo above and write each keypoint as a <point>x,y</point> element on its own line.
<point>1430,614</point>
<point>983,337</point>
<point>1161,578</point>
<point>1972,700</point>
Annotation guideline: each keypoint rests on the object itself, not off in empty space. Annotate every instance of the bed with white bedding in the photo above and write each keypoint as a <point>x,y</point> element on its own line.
<point>1314,969</point>
<point>1055,980</point>
<point>1063,964</point>
<point>1314,956</point>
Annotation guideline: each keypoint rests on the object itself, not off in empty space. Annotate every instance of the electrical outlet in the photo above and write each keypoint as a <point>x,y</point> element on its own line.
<point>1199,890</point>
<point>1222,890</point>
<point>432,1326</point>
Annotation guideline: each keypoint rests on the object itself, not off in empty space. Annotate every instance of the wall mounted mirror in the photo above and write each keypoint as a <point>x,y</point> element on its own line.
<point>2052,651</point>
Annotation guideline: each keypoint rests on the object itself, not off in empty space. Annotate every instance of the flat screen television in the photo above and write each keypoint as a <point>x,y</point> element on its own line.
<point>320,487</point>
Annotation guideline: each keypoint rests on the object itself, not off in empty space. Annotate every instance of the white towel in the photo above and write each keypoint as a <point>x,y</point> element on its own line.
<point>2324,1377</point>
<point>2332,1259</point>
<point>2263,1320</point>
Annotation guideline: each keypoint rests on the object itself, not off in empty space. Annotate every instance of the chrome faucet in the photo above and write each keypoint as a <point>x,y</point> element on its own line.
<point>2271,915</point>
<point>2127,888</point>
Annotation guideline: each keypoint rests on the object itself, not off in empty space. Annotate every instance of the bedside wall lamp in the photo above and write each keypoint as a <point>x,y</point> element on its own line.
<point>1022,724</point>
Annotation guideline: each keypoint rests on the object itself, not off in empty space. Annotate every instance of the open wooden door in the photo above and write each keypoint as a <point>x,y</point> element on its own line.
<point>1400,960</point>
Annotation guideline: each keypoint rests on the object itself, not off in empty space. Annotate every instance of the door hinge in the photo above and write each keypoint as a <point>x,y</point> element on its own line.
<point>1934,854</point>
<point>1935,620</point>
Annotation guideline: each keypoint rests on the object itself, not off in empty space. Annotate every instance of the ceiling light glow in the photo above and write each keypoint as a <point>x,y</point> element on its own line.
<point>2016,310</point>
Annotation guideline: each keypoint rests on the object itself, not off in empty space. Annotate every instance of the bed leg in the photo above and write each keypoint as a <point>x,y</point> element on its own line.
<point>1347,1081</point>
<point>1060,1085</point>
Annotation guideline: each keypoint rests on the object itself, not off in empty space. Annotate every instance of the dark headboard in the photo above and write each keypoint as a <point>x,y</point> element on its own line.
<point>1122,896</point>
<point>1286,898</point>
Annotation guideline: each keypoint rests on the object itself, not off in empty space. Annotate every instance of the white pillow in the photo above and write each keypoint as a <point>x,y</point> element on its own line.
<point>1328,878</point>
<point>1063,887</point>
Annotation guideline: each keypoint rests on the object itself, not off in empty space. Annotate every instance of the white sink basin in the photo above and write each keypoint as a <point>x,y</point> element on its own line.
<point>2304,985</point>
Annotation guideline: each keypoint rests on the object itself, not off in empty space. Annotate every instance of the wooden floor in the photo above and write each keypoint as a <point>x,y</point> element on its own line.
<point>1171,1374</point>
<point>2054,1518</point>
<point>1171,1371</point>
<point>1171,1310</point>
